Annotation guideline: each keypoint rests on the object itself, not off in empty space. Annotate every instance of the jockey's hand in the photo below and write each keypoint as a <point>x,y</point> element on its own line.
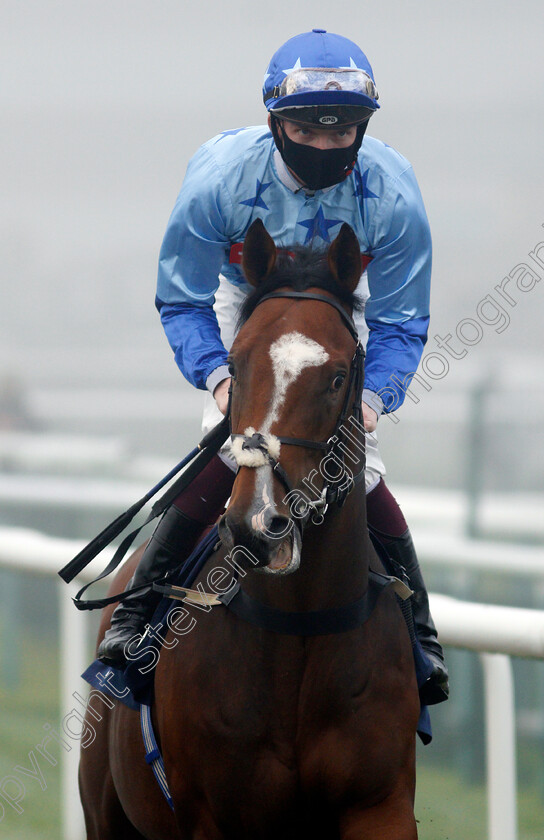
<point>370,418</point>
<point>221,395</point>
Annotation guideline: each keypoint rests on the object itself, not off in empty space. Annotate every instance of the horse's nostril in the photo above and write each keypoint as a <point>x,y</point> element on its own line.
<point>278,527</point>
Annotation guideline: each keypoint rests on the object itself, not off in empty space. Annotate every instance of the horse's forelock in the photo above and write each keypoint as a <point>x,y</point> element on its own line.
<point>299,269</point>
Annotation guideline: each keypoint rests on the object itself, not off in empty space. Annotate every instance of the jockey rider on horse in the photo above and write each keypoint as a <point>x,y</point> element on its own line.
<point>303,175</point>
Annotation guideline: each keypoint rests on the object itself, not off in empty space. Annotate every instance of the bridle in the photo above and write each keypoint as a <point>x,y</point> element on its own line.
<point>333,491</point>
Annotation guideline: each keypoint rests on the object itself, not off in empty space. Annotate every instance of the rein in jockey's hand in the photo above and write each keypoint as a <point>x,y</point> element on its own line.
<point>221,395</point>
<point>370,418</point>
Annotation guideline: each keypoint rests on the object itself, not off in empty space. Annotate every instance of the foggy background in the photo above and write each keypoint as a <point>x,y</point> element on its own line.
<point>101,106</point>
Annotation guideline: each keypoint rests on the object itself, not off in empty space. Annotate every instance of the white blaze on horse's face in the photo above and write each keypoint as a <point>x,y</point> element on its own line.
<point>290,354</point>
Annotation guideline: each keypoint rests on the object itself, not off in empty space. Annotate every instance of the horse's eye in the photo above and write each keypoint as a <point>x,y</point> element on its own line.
<point>232,371</point>
<point>338,381</point>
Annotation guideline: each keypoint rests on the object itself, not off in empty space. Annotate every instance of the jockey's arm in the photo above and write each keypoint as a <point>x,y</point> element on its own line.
<point>193,334</point>
<point>191,256</point>
<point>397,312</point>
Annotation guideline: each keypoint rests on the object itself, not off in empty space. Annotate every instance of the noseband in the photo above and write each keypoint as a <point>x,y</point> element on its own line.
<point>256,442</point>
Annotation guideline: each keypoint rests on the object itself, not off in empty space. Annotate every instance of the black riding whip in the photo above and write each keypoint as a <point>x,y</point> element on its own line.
<point>201,455</point>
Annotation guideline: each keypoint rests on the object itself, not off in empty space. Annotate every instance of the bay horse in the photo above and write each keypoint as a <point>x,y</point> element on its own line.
<point>268,733</point>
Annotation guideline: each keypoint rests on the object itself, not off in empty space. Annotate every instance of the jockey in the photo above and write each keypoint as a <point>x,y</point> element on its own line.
<point>311,169</point>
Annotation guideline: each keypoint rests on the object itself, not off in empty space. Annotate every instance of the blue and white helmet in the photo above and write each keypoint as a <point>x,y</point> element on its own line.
<point>322,79</point>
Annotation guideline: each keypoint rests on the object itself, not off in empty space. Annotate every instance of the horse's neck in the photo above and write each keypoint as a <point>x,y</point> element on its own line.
<point>334,563</point>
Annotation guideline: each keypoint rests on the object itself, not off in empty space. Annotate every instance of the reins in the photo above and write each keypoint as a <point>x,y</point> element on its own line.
<point>197,459</point>
<point>202,454</point>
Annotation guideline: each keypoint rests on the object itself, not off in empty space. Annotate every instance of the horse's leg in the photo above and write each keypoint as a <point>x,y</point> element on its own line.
<point>138,791</point>
<point>391,819</point>
<point>104,816</point>
<point>386,821</point>
<point>118,790</point>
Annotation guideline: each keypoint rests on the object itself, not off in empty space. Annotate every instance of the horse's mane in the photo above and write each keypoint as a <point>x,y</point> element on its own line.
<point>299,269</point>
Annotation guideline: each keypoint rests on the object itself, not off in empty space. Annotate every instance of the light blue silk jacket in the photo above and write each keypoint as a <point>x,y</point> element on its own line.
<point>239,176</point>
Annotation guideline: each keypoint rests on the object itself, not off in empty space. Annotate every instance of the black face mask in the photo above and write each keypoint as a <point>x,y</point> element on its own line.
<point>318,168</point>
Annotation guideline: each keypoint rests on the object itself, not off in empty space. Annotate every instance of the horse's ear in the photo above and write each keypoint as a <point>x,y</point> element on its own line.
<point>344,258</point>
<point>258,253</point>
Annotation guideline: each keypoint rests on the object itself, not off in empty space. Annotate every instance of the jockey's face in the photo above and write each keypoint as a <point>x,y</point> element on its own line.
<point>320,138</point>
<point>316,157</point>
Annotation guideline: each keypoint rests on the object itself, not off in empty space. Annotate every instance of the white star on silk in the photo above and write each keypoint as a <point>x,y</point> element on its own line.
<point>352,65</point>
<point>296,66</point>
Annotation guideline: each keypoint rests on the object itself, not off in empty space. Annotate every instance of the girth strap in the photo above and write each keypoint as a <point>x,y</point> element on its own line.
<point>316,622</point>
<point>153,755</point>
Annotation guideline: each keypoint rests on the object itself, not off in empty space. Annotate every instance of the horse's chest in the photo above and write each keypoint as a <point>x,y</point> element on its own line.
<point>312,727</point>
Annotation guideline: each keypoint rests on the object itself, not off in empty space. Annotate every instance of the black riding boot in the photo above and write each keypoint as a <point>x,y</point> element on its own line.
<point>436,689</point>
<point>172,540</point>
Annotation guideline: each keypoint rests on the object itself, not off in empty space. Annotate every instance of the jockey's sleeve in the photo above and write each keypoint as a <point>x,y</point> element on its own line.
<point>193,334</point>
<point>399,274</point>
<point>191,256</point>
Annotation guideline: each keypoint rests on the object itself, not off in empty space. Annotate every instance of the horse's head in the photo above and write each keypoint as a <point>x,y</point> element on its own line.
<point>296,370</point>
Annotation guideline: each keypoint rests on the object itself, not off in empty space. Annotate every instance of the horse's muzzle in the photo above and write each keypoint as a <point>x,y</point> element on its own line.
<point>271,540</point>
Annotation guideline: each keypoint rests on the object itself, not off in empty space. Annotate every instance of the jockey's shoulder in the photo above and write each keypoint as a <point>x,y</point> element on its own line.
<point>254,141</point>
<point>236,144</point>
<point>381,158</point>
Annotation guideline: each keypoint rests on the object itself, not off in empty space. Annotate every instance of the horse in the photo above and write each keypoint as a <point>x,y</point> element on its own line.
<point>271,731</point>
